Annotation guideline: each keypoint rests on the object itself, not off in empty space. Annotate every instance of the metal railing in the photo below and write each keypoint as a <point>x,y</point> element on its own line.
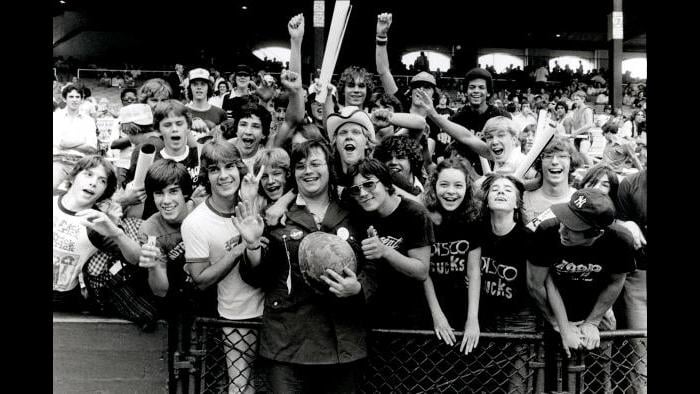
<point>409,361</point>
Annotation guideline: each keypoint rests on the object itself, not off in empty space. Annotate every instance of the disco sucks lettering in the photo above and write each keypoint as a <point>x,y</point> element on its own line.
<point>447,257</point>
<point>497,277</point>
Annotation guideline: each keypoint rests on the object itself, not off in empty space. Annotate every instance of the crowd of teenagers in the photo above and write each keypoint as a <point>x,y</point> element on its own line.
<point>445,236</point>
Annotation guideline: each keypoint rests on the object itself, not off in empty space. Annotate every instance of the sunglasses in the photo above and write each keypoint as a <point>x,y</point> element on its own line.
<point>357,189</point>
<point>242,74</point>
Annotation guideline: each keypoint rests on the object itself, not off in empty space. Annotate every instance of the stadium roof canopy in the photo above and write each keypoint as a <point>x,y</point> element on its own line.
<point>225,26</point>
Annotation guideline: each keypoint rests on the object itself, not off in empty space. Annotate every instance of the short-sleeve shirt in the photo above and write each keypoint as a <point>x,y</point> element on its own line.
<point>454,240</point>
<point>400,301</point>
<point>503,271</point>
<point>208,236</point>
<point>169,240</point>
<point>73,245</point>
<point>212,117</point>
<point>581,273</point>
<point>73,131</point>
<point>536,202</point>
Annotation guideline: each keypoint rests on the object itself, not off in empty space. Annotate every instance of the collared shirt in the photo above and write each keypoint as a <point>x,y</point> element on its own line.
<point>72,131</point>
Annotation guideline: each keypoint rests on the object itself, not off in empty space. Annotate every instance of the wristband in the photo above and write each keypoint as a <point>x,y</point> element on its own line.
<point>381,41</point>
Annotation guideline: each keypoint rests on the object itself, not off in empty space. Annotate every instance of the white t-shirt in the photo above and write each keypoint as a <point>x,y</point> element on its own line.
<point>73,131</point>
<point>536,202</point>
<point>71,247</point>
<point>208,235</point>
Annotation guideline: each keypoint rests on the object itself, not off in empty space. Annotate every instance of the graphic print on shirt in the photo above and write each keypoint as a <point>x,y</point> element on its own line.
<point>577,272</point>
<point>497,277</point>
<point>391,242</point>
<point>229,245</point>
<point>448,257</point>
<point>65,254</point>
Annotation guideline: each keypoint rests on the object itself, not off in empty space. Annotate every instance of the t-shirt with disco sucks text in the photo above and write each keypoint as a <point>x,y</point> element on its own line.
<point>504,271</point>
<point>400,301</point>
<point>454,239</point>
<point>581,273</point>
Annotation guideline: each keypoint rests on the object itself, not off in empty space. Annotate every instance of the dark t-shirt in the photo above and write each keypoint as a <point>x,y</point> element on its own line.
<point>400,301</point>
<point>474,121</point>
<point>212,117</point>
<point>632,196</point>
<point>454,239</point>
<point>582,272</point>
<point>504,271</point>
<point>169,240</point>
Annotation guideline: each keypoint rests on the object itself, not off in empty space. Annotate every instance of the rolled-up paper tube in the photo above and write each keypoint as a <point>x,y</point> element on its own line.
<point>146,157</point>
<point>341,15</point>
<point>542,137</point>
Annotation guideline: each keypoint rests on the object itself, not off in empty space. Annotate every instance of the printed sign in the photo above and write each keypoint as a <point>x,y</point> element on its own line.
<point>319,13</point>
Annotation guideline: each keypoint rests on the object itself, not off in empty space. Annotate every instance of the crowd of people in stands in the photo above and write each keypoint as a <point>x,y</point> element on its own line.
<point>450,228</point>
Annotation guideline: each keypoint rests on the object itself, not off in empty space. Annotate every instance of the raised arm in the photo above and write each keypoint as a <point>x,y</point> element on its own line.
<point>295,109</point>
<point>381,54</point>
<point>456,131</point>
<point>384,117</point>
<point>296,35</point>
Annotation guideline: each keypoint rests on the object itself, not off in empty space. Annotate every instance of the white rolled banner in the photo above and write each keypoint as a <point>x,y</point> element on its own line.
<point>543,135</point>
<point>146,157</point>
<point>341,15</point>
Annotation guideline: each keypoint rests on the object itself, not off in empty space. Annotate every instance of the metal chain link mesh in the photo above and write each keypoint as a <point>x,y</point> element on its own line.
<point>403,361</point>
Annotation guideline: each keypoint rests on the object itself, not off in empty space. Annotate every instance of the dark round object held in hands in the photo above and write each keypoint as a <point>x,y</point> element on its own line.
<point>319,251</point>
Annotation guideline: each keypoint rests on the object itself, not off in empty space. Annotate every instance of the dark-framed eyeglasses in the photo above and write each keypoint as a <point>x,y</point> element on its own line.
<point>356,190</point>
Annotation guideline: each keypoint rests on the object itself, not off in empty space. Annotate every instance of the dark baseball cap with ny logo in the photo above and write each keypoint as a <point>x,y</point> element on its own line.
<point>588,208</point>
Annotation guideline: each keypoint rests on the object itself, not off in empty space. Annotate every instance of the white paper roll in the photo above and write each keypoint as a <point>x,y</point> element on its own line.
<point>146,157</point>
<point>542,137</point>
<point>341,15</point>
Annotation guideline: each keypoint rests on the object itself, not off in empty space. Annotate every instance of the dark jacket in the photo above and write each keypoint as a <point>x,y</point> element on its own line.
<point>305,327</point>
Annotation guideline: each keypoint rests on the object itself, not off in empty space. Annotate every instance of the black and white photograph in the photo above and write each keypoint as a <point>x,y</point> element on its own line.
<point>316,196</point>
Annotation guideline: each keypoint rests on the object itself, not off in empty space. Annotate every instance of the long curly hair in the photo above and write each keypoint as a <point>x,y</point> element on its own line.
<point>470,208</point>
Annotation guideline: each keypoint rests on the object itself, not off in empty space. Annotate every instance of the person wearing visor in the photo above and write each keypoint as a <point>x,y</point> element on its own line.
<point>577,268</point>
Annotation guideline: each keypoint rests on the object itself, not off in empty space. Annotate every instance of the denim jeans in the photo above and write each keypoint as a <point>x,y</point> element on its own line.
<point>298,378</point>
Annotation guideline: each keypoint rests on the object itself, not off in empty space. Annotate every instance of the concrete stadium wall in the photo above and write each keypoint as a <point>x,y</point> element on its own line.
<point>98,355</point>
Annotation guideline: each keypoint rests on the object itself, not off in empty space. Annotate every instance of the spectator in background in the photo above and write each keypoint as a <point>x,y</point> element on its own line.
<point>521,119</point>
<point>421,63</point>
<point>242,86</point>
<point>581,122</point>
<point>153,91</point>
<point>223,88</point>
<point>541,76</point>
<point>74,135</point>
<point>177,83</point>
<point>634,128</point>
<point>205,116</point>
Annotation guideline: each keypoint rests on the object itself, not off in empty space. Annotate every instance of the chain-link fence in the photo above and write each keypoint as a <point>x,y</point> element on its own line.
<point>407,361</point>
